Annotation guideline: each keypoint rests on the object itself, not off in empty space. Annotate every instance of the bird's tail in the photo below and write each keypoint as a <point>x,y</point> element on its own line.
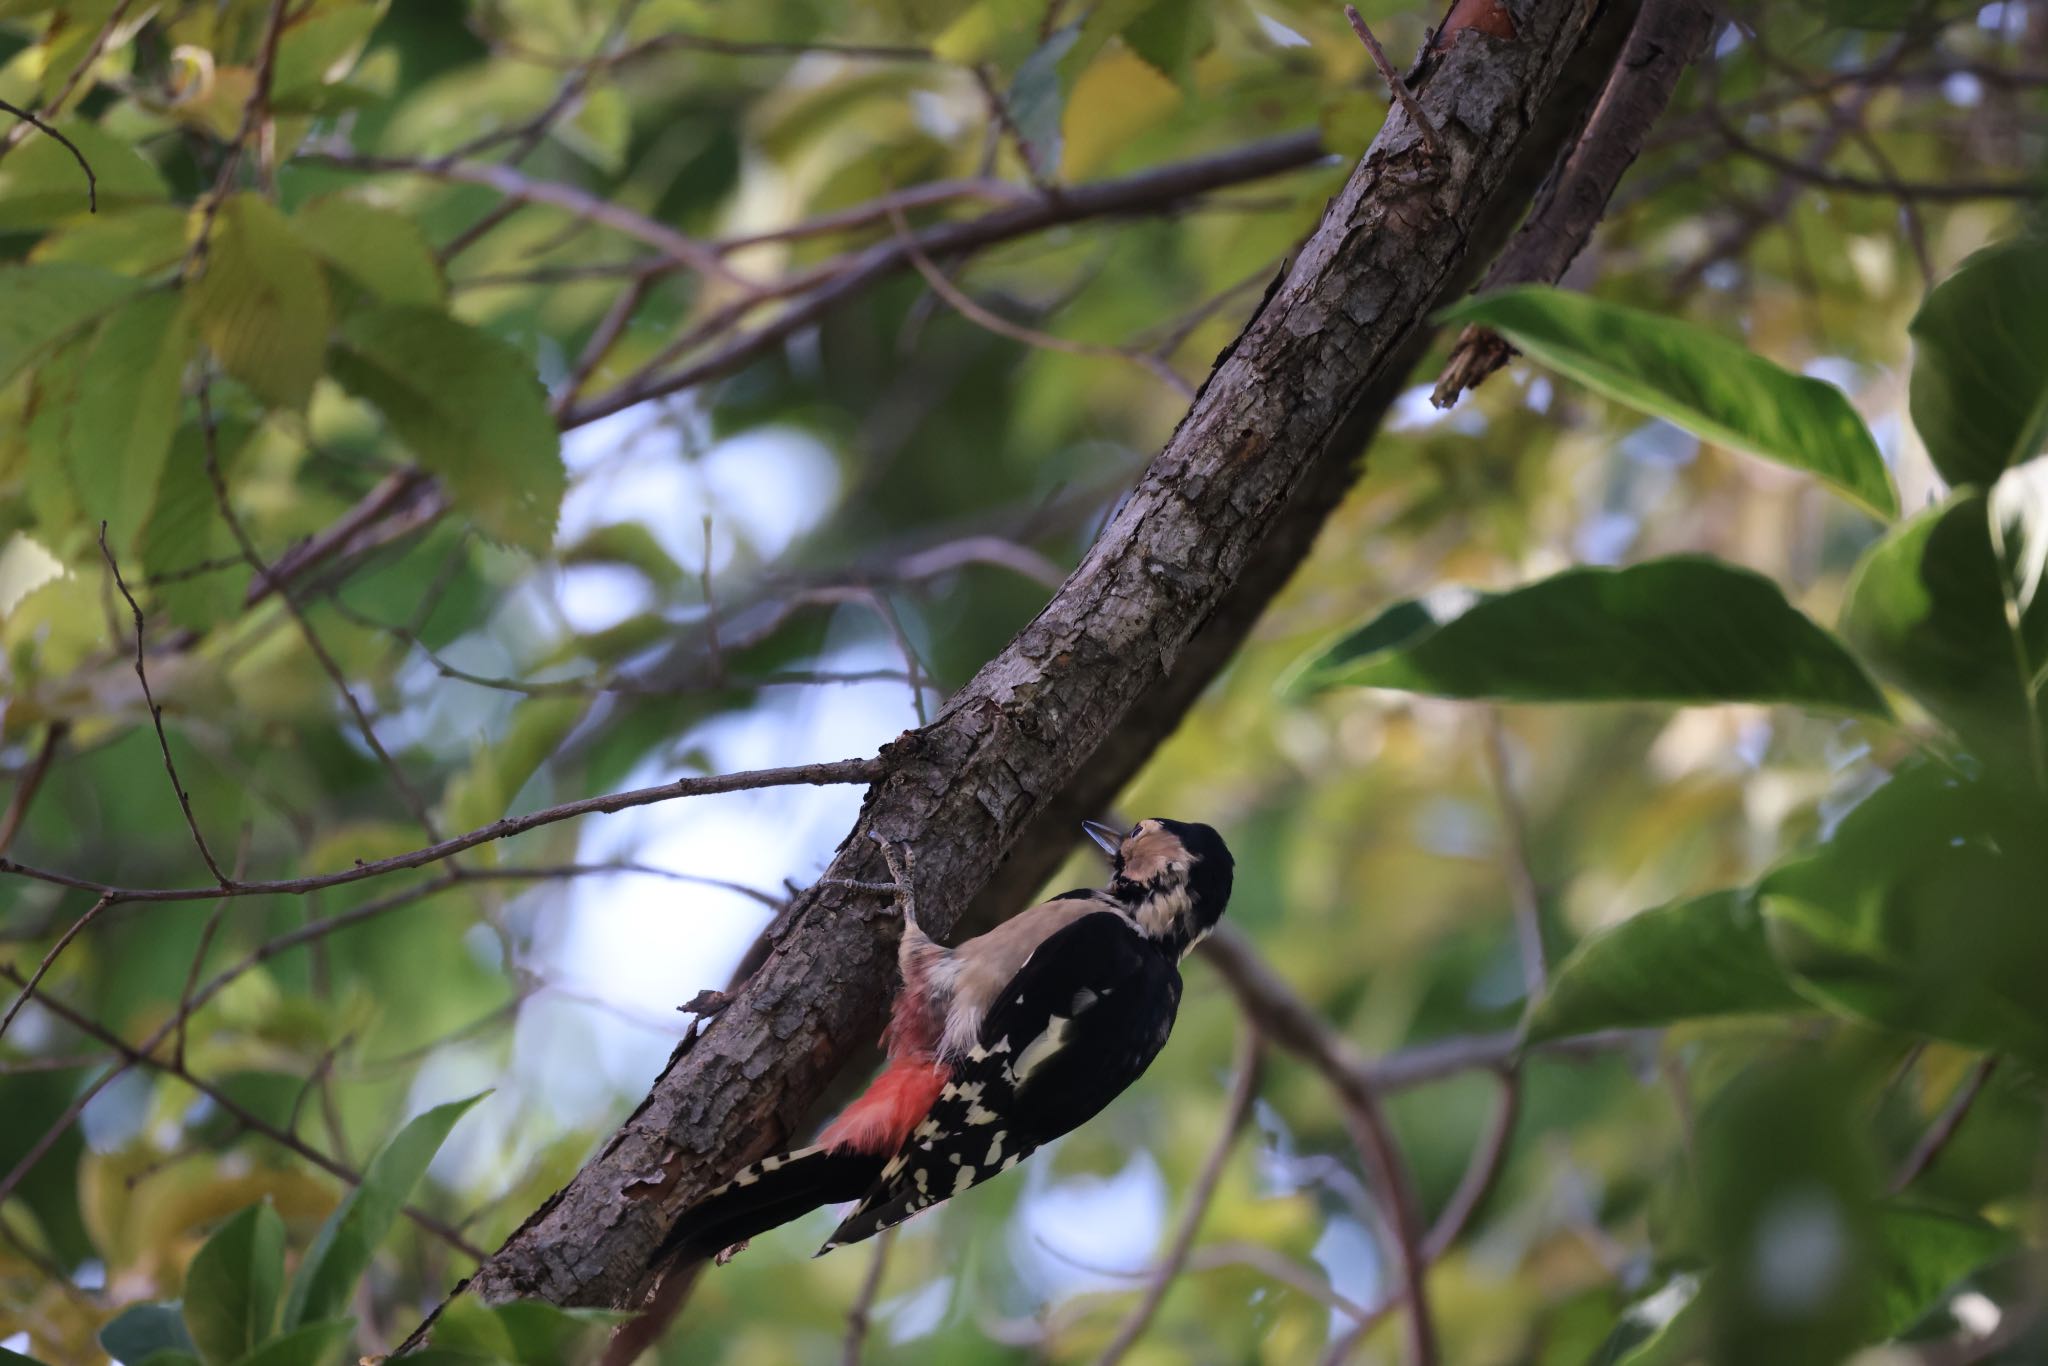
<point>772,1191</point>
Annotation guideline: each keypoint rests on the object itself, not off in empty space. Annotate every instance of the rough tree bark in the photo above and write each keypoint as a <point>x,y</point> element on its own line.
<point>1230,503</point>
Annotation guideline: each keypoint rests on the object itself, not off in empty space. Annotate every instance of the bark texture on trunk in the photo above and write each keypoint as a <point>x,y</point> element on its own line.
<point>1072,705</point>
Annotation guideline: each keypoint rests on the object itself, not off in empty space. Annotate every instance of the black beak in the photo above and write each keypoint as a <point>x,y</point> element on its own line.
<point>1107,837</point>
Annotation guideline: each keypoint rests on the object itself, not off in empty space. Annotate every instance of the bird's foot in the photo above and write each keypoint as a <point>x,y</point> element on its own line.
<point>898,887</point>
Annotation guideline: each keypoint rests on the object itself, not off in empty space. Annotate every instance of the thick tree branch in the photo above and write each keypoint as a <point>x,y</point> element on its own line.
<point>1290,402</point>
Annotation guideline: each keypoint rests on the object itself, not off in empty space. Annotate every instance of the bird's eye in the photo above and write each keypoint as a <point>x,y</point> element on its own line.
<point>1132,833</point>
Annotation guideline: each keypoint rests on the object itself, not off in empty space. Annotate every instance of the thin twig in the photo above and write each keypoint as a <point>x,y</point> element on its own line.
<point>849,771</point>
<point>1381,1154</point>
<point>71,932</point>
<point>415,803</point>
<point>206,935</point>
<point>156,716</point>
<point>520,188</point>
<point>1243,1091</point>
<point>1945,1125</point>
<point>31,783</point>
<point>1523,892</point>
<point>92,184</point>
<point>245,1117</point>
<point>964,304</point>
<point>861,1310</point>
<point>1406,97</point>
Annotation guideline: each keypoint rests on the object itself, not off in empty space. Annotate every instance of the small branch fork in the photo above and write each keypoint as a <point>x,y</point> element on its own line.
<point>1405,97</point>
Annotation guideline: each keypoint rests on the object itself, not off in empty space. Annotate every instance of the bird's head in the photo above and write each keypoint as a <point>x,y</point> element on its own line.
<point>1173,875</point>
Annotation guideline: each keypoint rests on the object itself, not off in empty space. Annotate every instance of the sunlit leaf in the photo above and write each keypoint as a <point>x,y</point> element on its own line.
<point>385,252</point>
<point>25,566</point>
<point>263,304</point>
<point>630,544</point>
<point>233,1283</point>
<point>469,406</point>
<point>342,1250</point>
<point>1689,959</point>
<point>1715,388</point>
<point>1980,363</point>
<point>1922,912</point>
<point>1676,630</point>
<point>41,305</point>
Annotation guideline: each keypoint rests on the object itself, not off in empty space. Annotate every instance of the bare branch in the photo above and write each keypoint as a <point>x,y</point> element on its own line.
<point>862,1308</point>
<point>1945,1125</point>
<point>156,718</point>
<point>31,783</point>
<point>1243,1091</point>
<point>1403,96</point>
<point>1668,36</point>
<point>965,305</point>
<point>28,987</point>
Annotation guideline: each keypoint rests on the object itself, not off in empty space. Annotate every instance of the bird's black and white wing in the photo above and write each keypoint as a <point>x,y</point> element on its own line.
<point>1078,1023</point>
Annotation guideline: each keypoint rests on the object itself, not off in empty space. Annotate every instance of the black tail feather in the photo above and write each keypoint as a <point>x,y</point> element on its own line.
<point>771,1192</point>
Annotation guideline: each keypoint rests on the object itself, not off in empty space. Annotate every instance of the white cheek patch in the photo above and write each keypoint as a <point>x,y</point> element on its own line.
<point>1040,1049</point>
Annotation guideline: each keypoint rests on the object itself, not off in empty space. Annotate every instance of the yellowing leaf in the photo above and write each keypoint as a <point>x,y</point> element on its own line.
<point>263,303</point>
<point>1119,96</point>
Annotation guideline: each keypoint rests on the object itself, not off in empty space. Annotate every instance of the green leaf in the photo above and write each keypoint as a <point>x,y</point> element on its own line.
<point>312,1344</point>
<point>41,183</point>
<point>1686,629</point>
<point>1922,913</point>
<point>384,252</point>
<point>1038,99</point>
<point>469,406</point>
<point>1689,959</point>
<point>144,1329</point>
<point>233,1283</point>
<point>11,1358</point>
<point>1948,607</point>
<point>1922,1253</point>
<point>117,448</point>
<point>262,303</point>
<point>1714,388</point>
<point>342,1250</point>
<point>42,305</point>
<point>1980,363</point>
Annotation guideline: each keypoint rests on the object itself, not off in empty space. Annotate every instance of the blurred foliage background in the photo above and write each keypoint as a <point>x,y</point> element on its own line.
<point>336,241</point>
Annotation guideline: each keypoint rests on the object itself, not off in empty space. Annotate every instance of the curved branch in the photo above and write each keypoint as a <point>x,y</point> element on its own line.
<point>1234,498</point>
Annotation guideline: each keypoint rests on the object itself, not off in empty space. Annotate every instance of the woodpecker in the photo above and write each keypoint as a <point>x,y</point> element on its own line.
<point>996,1046</point>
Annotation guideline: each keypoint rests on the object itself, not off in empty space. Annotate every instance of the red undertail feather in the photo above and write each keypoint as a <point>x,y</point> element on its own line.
<point>885,1114</point>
